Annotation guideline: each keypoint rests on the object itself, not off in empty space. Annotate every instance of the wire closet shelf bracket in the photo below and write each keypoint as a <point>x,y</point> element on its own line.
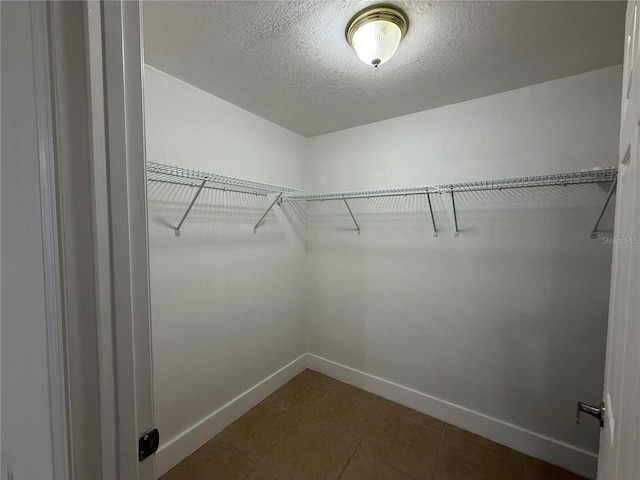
<point>170,174</point>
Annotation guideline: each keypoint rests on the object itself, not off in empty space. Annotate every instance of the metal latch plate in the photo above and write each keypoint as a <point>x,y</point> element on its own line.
<point>148,444</point>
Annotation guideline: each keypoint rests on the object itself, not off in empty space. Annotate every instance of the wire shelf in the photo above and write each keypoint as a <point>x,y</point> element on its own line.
<point>607,174</point>
<point>171,174</point>
<point>158,172</point>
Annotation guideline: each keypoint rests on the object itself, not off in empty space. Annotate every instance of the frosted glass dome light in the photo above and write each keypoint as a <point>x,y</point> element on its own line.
<point>375,33</point>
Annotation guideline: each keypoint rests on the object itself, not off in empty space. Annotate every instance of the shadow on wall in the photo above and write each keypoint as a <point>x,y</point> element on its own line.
<point>217,217</point>
<point>231,215</point>
<point>473,211</point>
<point>226,303</point>
<point>296,215</point>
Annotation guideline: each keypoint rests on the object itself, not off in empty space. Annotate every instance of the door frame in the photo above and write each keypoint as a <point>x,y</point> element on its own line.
<point>51,253</point>
<point>119,388</point>
<point>114,51</point>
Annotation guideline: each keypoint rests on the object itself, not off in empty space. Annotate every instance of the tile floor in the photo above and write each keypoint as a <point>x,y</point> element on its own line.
<point>316,427</point>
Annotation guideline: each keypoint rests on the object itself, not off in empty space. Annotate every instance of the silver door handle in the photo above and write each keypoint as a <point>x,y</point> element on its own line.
<point>598,412</point>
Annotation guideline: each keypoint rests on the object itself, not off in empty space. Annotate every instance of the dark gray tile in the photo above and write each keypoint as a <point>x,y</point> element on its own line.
<point>314,450</point>
<point>407,446</point>
<point>353,409</point>
<point>311,427</point>
<point>215,460</point>
<point>303,392</point>
<point>535,469</point>
<point>364,467</point>
<point>258,431</point>
<point>466,456</point>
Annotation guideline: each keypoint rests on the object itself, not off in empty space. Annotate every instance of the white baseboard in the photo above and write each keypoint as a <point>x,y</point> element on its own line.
<point>553,451</point>
<point>558,453</point>
<point>175,450</point>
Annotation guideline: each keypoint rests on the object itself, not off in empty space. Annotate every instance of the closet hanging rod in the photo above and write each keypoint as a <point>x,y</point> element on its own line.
<point>158,172</point>
<point>607,174</point>
<point>209,187</point>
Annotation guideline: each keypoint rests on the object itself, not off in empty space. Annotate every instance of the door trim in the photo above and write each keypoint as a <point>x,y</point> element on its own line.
<point>101,242</point>
<point>50,221</point>
<point>122,265</point>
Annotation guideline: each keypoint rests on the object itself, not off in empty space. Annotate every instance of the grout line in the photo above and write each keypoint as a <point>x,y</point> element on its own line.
<point>363,437</point>
<point>393,467</point>
<point>528,442</point>
<point>440,448</point>
<point>350,458</point>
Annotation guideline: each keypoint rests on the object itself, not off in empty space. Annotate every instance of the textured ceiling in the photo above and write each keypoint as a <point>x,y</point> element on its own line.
<point>290,63</point>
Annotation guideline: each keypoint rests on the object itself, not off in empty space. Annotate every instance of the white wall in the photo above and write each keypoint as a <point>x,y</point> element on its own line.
<point>26,415</point>
<point>226,303</point>
<point>564,125</point>
<point>509,319</point>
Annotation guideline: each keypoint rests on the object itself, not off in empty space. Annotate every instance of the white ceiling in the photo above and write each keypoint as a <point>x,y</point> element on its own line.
<point>289,62</point>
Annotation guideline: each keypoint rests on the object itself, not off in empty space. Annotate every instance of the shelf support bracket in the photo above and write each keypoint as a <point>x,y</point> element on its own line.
<point>193,200</point>
<point>433,220</point>
<point>351,213</point>
<point>277,200</point>
<point>455,216</point>
<point>594,232</point>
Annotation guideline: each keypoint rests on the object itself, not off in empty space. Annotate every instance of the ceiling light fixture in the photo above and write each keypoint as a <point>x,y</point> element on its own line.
<point>375,33</point>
